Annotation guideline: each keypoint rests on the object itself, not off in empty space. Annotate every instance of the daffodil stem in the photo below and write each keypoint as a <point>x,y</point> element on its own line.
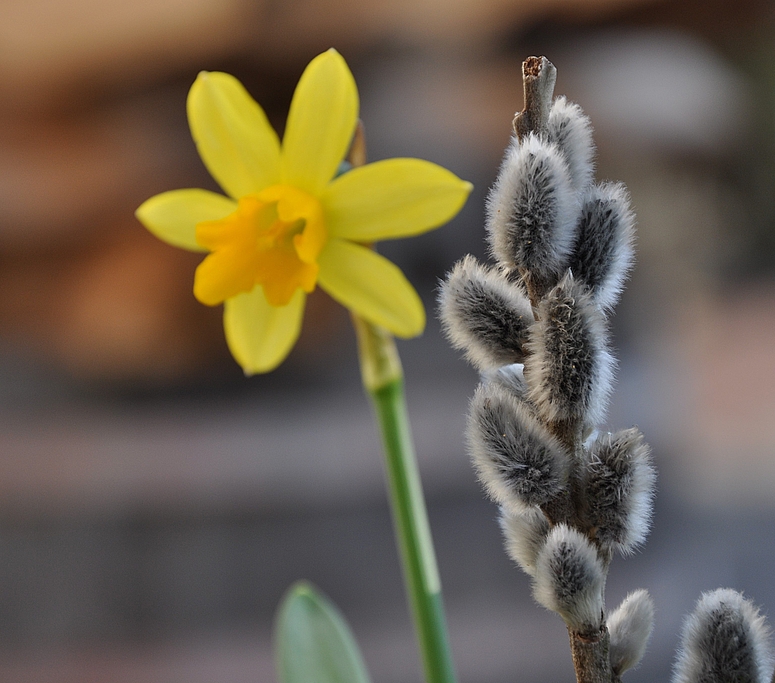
<point>383,380</point>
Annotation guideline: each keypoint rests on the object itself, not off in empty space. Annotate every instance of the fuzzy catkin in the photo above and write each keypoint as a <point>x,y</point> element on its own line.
<point>509,377</point>
<point>630,626</point>
<point>603,253</point>
<point>524,533</point>
<point>725,640</point>
<point>518,461</point>
<point>618,484</point>
<point>569,369</point>
<point>569,128</point>
<point>484,314</point>
<point>532,210</point>
<point>569,579</point>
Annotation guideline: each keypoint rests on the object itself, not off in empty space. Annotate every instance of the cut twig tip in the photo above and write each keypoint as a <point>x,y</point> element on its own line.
<point>538,78</point>
<point>532,66</point>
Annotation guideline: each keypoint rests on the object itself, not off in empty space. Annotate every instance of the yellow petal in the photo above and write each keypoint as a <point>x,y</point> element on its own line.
<point>392,198</point>
<point>232,134</point>
<point>173,216</point>
<point>371,286</point>
<point>260,336</point>
<point>321,123</point>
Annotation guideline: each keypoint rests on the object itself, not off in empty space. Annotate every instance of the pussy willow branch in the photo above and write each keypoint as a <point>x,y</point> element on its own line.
<point>590,651</point>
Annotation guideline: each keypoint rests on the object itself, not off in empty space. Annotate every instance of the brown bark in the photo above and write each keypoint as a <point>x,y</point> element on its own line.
<point>590,656</point>
<point>538,79</point>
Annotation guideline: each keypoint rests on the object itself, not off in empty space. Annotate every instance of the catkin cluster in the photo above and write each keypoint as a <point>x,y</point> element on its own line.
<point>535,325</point>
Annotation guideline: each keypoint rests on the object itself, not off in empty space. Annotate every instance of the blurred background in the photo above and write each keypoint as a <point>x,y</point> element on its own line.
<point>155,504</point>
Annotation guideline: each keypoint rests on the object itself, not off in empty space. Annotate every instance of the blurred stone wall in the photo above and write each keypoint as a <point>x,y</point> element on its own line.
<point>154,503</point>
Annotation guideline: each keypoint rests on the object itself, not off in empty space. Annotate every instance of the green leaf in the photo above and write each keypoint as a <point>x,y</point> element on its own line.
<point>313,643</point>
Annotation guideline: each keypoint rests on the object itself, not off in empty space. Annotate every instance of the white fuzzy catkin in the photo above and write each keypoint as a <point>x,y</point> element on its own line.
<point>569,579</point>
<point>509,377</point>
<point>518,461</point>
<point>570,369</point>
<point>533,209</point>
<point>524,533</point>
<point>603,253</point>
<point>569,128</point>
<point>618,483</point>
<point>484,314</point>
<point>725,640</point>
<point>630,627</point>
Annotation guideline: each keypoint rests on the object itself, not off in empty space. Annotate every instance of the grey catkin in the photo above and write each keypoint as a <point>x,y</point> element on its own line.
<point>509,377</point>
<point>524,533</point>
<point>630,626</point>
<point>569,579</point>
<point>618,484</point>
<point>725,640</point>
<point>569,128</point>
<point>484,314</point>
<point>570,368</point>
<point>532,209</point>
<point>518,461</point>
<point>603,253</point>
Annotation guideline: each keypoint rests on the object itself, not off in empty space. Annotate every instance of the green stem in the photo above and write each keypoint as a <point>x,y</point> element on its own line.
<point>383,380</point>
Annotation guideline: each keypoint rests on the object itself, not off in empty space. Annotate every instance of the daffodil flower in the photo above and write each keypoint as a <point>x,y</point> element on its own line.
<point>288,223</point>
